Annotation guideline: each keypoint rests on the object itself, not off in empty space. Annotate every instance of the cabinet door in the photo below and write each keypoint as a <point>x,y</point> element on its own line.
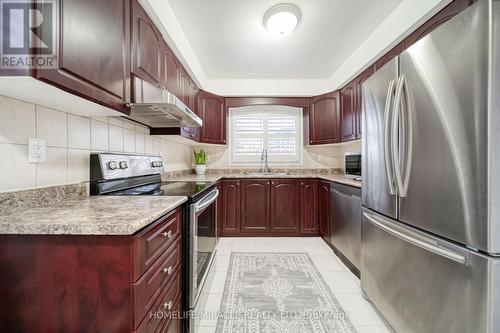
<point>170,71</point>
<point>309,206</point>
<point>348,112</point>
<point>231,206</point>
<point>220,207</point>
<point>444,15</point>
<point>212,112</point>
<point>93,59</point>
<point>324,209</point>
<point>324,119</point>
<point>358,93</point>
<point>255,205</point>
<point>285,207</point>
<point>146,43</point>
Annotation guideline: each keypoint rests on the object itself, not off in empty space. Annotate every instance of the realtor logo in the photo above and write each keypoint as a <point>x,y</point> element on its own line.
<point>29,34</point>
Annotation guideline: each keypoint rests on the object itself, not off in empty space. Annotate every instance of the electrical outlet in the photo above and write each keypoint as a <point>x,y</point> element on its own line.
<point>37,150</point>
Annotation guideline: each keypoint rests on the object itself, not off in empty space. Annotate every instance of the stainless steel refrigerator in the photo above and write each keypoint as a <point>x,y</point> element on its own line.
<point>431,179</point>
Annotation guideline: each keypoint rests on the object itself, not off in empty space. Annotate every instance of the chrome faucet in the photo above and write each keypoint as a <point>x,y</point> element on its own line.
<point>263,157</point>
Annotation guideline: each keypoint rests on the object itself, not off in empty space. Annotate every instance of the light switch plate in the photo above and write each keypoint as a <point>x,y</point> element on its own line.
<point>37,150</point>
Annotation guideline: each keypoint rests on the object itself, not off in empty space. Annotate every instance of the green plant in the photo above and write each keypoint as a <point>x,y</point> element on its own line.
<point>200,157</point>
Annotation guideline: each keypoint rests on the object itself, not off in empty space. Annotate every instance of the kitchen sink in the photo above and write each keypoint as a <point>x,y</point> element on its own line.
<point>266,174</point>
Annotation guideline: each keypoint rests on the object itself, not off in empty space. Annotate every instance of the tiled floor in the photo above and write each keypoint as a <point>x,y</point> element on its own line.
<point>344,285</point>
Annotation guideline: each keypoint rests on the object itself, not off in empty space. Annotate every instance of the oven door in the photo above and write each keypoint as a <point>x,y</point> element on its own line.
<point>203,242</point>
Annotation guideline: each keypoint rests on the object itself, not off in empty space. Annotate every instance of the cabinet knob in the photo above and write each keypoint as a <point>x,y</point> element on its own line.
<point>168,270</point>
<point>168,305</point>
<point>167,235</point>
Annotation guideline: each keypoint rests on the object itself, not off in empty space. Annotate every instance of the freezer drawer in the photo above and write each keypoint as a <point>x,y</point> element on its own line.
<point>345,226</point>
<point>423,284</point>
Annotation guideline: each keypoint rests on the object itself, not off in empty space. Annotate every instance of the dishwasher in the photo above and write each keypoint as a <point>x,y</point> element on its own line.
<point>345,223</point>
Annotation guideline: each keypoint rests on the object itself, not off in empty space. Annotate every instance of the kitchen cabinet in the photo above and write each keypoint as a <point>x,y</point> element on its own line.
<point>93,58</point>
<point>255,205</point>
<point>170,71</point>
<point>358,97</point>
<point>442,16</point>
<point>87,283</point>
<point>212,111</point>
<point>220,209</point>
<point>285,205</point>
<point>324,209</point>
<point>231,195</point>
<point>308,207</point>
<point>324,119</point>
<point>348,112</point>
<point>146,43</point>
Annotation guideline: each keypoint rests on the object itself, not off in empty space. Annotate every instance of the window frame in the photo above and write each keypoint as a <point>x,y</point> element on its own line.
<point>266,111</point>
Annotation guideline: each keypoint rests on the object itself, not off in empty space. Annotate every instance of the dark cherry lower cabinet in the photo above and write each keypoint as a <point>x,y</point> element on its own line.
<point>220,209</point>
<point>285,205</point>
<point>85,283</point>
<point>324,209</point>
<point>231,195</point>
<point>265,207</point>
<point>309,206</point>
<point>255,205</point>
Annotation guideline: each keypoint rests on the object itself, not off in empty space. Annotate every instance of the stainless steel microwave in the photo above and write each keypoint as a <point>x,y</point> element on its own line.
<point>353,165</point>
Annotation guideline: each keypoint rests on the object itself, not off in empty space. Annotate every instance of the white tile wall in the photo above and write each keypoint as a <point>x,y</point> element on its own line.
<point>70,140</point>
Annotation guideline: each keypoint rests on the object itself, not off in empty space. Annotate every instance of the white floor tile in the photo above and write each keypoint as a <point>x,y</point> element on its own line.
<point>205,329</point>
<point>360,310</point>
<point>218,283</point>
<point>340,282</point>
<point>372,329</point>
<point>327,263</point>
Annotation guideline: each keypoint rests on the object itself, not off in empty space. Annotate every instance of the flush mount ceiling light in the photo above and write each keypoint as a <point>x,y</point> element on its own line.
<point>281,19</point>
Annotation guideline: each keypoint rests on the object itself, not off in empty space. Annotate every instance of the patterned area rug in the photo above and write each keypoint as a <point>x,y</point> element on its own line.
<point>278,293</point>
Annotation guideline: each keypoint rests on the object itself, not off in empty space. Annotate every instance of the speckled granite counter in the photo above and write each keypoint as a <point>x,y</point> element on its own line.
<point>338,178</point>
<point>96,215</point>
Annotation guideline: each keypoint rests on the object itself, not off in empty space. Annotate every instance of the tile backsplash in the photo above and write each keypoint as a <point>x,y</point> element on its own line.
<point>70,139</point>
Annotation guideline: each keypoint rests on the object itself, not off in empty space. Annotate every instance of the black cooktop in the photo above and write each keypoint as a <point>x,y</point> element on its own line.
<point>193,190</point>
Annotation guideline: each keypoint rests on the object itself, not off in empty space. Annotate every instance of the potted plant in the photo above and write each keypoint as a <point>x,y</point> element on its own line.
<point>200,160</point>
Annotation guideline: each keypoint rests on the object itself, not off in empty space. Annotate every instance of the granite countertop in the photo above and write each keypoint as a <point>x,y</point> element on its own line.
<point>337,178</point>
<point>95,215</point>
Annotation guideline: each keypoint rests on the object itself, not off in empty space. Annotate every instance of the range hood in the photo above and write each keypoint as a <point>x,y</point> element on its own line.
<point>157,107</point>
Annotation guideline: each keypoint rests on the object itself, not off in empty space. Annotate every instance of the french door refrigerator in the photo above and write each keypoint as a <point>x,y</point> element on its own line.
<point>431,179</point>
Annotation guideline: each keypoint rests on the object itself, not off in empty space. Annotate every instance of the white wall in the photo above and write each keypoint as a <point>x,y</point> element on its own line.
<point>70,140</point>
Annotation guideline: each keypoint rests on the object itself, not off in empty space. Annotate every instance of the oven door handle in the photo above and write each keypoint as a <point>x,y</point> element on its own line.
<point>206,201</point>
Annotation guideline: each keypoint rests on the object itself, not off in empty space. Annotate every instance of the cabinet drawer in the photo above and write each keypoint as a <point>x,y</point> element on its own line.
<point>159,317</point>
<point>146,290</point>
<point>151,242</point>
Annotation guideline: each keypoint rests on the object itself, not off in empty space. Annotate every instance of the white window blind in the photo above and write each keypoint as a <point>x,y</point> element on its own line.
<point>275,128</point>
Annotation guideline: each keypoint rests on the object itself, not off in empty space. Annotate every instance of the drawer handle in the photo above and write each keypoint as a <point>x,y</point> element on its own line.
<point>168,270</point>
<point>167,235</point>
<point>168,305</point>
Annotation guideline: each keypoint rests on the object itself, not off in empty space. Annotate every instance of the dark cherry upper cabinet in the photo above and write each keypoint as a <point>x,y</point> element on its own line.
<point>394,52</point>
<point>93,59</point>
<point>444,15</point>
<point>211,110</point>
<point>324,119</point>
<point>285,209</point>
<point>324,209</point>
<point>146,46</point>
<point>255,210</point>
<point>170,71</point>
<point>358,97</point>
<point>348,112</point>
<point>308,206</point>
<point>231,195</point>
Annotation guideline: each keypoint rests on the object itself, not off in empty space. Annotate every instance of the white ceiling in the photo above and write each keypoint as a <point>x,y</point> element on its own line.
<point>230,42</point>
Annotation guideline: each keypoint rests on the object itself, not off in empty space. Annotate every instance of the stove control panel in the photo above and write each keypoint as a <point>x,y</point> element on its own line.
<point>115,166</point>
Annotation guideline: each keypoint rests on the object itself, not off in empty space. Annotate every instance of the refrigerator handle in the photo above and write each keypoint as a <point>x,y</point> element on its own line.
<point>389,167</point>
<point>408,136</point>
<point>417,240</point>
<point>396,135</point>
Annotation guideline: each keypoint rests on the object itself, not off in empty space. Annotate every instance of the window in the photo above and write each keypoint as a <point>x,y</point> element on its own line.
<point>275,128</point>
